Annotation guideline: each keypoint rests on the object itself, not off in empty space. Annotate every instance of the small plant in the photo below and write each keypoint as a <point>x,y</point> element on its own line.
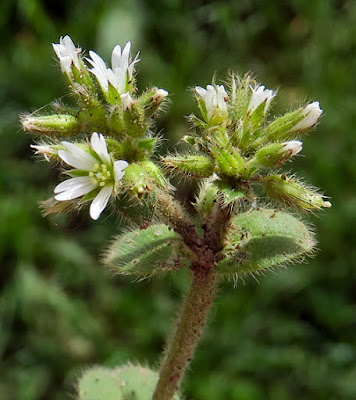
<point>246,209</point>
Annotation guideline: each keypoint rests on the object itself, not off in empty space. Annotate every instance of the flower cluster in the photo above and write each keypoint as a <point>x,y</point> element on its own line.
<point>237,146</point>
<point>122,69</point>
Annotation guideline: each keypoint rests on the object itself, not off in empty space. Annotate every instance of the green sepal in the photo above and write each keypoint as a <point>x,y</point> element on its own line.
<point>136,124</point>
<point>230,162</point>
<point>91,195</point>
<point>82,76</point>
<point>145,148</point>
<point>293,193</point>
<point>154,171</point>
<point>263,239</point>
<point>124,383</point>
<point>280,128</point>
<point>77,172</point>
<point>196,166</point>
<point>273,155</point>
<point>137,181</point>
<point>207,200</point>
<point>228,193</point>
<point>138,212</point>
<point>148,251</point>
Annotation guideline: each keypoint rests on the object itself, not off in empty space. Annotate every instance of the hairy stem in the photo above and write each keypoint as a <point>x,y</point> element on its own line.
<point>190,325</point>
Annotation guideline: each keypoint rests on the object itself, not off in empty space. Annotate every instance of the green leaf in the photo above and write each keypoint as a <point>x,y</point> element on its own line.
<point>125,383</point>
<point>262,239</point>
<point>147,251</point>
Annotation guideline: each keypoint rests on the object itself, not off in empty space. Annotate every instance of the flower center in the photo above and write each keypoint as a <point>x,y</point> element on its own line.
<point>100,175</point>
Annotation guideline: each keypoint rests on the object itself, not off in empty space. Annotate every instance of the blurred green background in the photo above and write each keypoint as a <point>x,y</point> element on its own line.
<point>288,336</point>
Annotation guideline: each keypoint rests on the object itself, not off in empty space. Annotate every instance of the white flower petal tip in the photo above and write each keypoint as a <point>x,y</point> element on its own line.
<point>127,101</point>
<point>100,202</point>
<point>99,173</point>
<point>215,99</point>
<point>159,96</point>
<point>312,112</point>
<point>259,96</point>
<point>67,54</point>
<point>294,147</point>
<point>121,72</point>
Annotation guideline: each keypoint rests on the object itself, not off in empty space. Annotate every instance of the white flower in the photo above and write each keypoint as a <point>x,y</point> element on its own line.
<point>215,99</point>
<point>98,172</point>
<point>67,54</point>
<point>294,147</point>
<point>259,96</point>
<point>311,113</point>
<point>121,72</point>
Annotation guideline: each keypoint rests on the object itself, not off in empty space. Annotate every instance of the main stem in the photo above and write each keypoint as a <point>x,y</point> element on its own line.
<point>191,321</point>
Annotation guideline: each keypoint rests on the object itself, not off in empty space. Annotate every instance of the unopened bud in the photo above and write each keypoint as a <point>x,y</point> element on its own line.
<point>137,182</point>
<point>152,100</point>
<point>212,102</point>
<point>60,125</point>
<point>154,171</point>
<point>260,97</point>
<point>230,163</point>
<point>311,114</point>
<point>295,123</point>
<point>196,166</point>
<point>291,192</point>
<point>276,154</point>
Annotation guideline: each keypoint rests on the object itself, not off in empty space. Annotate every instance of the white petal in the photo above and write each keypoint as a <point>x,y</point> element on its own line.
<point>119,167</point>
<point>98,143</point>
<point>100,202</point>
<point>77,157</point>
<point>201,91</point>
<point>97,62</point>
<point>116,57</point>
<point>73,190</point>
<point>71,183</point>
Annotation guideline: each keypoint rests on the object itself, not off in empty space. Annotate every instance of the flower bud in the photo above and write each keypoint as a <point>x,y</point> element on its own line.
<point>295,123</point>
<point>276,154</point>
<point>230,163</point>
<point>136,181</point>
<point>212,102</point>
<point>207,200</point>
<point>60,125</point>
<point>291,192</point>
<point>260,97</point>
<point>156,174</point>
<point>71,62</point>
<point>152,100</point>
<point>311,114</point>
<point>196,166</point>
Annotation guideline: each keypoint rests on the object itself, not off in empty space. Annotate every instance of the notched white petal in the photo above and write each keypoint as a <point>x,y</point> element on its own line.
<point>99,203</point>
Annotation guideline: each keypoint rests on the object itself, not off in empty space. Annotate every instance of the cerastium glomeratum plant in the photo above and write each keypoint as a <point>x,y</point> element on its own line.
<point>246,210</point>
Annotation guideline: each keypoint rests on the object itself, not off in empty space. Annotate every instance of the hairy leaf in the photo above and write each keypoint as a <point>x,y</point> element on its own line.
<point>262,239</point>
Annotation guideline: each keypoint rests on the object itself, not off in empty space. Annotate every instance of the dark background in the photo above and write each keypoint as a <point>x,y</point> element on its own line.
<point>288,336</point>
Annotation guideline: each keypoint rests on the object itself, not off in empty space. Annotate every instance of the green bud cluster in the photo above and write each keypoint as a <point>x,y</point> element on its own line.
<point>237,145</point>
